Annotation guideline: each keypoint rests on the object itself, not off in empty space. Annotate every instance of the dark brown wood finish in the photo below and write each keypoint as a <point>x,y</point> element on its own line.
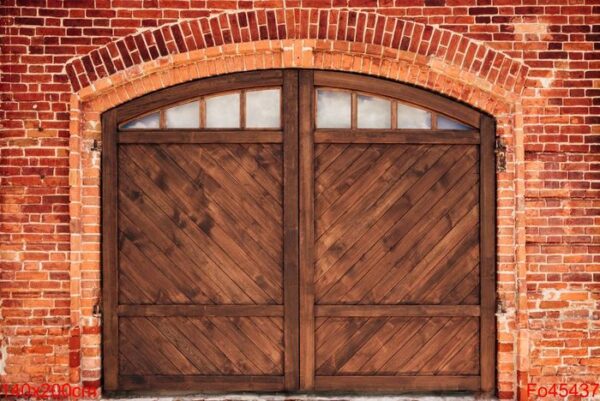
<point>204,136</point>
<point>403,254</point>
<point>398,136</point>
<point>488,254</point>
<point>110,261</point>
<point>201,248</point>
<point>290,227</point>
<point>298,259</point>
<point>307,222</point>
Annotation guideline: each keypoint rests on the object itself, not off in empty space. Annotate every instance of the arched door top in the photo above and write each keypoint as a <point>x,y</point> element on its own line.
<point>348,99</point>
<point>297,236</point>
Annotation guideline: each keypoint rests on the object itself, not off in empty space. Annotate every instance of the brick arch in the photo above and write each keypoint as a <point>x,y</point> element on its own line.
<point>360,42</point>
<point>361,32</point>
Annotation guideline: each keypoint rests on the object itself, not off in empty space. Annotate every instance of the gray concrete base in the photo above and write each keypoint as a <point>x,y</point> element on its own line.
<point>308,397</point>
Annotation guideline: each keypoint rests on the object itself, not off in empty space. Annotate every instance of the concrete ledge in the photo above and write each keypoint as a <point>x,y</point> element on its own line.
<point>309,397</point>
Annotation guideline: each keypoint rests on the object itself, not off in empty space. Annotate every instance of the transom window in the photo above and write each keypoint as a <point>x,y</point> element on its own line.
<point>343,109</point>
<point>261,109</point>
<point>245,109</point>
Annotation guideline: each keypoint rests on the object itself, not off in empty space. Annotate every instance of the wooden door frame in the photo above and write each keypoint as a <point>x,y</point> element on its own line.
<point>287,135</point>
<point>298,143</point>
<point>484,136</point>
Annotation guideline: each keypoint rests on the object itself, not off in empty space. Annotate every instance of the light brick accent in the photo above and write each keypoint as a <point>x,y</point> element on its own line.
<point>375,60</point>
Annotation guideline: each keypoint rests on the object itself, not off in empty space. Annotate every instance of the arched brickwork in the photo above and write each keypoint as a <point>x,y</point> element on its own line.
<point>366,43</point>
<point>407,38</point>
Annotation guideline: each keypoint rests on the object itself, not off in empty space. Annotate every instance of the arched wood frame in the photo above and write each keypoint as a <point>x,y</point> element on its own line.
<point>298,136</point>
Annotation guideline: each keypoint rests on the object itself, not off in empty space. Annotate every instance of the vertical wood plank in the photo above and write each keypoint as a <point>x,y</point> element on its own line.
<point>290,226</point>
<point>488,254</point>
<point>110,329</point>
<point>354,111</point>
<point>243,109</point>
<point>307,324</point>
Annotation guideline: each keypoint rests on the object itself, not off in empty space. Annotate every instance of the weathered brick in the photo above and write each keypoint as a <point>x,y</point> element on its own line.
<point>544,58</point>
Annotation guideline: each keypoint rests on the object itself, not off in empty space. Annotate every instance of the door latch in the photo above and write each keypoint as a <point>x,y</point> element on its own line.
<point>96,146</point>
<point>500,151</point>
<point>97,310</point>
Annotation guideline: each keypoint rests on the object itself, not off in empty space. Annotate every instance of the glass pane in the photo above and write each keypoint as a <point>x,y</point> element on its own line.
<point>412,117</point>
<point>223,111</point>
<point>446,123</point>
<point>148,121</point>
<point>263,109</point>
<point>334,109</point>
<point>373,112</point>
<point>183,116</point>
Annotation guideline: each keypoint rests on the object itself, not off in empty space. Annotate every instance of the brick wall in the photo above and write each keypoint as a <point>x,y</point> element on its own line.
<point>549,330</point>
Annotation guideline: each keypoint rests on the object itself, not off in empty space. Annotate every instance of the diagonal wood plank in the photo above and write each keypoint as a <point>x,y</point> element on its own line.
<point>347,350</point>
<point>178,244</point>
<point>225,198</point>
<point>379,188</point>
<point>401,219</point>
<point>190,233</point>
<point>404,254</point>
<point>328,191</point>
<point>396,363</point>
<point>158,245</point>
<point>386,291</point>
<point>213,228</point>
<point>405,329</point>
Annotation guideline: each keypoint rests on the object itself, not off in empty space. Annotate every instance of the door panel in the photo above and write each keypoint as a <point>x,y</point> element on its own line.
<point>404,231</point>
<point>390,346</point>
<point>200,225</point>
<point>385,237</point>
<point>204,221</point>
<point>200,276</point>
<point>392,287</point>
<point>201,346</point>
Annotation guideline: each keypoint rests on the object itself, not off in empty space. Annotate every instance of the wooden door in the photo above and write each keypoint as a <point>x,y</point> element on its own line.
<point>396,241</point>
<point>346,244</point>
<point>200,239</point>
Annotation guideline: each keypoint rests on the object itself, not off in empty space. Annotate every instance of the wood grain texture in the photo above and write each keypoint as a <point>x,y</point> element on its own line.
<point>218,383</point>
<point>206,346</point>
<point>204,136</point>
<point>397,136</point>
<point>393,221</point>
<point>396,384</point>
<point>290,228</point>
<point>110,261</point>
<point>397,346</point>
<point>294,259</point>
<point>488,255</point>
<point>205,221</point>
<point>306,289</point>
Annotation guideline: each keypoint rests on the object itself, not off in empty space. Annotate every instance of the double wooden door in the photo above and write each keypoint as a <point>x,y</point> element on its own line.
<point>346,245</point>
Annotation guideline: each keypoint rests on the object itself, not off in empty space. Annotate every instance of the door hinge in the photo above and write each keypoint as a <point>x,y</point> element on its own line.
<point>500,307</point>
<point>97,310</point>
<point>500,151</point>
<point>96,146</point>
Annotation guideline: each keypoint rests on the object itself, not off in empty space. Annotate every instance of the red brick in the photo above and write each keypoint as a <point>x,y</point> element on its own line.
<point>546,56</point>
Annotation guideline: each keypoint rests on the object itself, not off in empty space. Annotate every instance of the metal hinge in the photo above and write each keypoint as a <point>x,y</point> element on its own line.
<point>500,307</point>
<point>97,310</point>
<point>500,155</point>
<point>96,146</point>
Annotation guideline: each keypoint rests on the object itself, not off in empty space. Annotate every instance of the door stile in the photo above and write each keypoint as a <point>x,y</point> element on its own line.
<point>290,227</point>
<point>488,254</point>
<point>307,221</point>
<point>110,257</point>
